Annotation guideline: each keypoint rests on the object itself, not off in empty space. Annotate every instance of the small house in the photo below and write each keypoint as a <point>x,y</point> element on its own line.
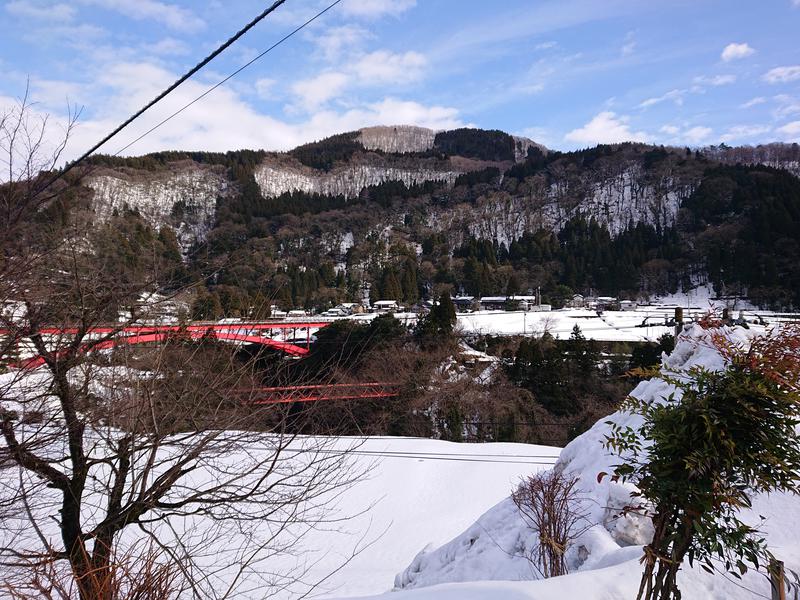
<point>464,303</point>
<point>385,306</point>
<point>577,301</point>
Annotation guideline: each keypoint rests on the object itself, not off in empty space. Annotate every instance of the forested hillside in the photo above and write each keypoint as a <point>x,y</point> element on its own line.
<point>466,214</point>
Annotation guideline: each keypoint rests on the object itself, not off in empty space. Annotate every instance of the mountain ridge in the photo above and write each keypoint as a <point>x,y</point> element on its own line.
<point>468,214</point>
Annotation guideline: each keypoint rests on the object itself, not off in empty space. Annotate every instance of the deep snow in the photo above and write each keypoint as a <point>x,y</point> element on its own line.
<point>414,519</point>
<point>488,559</point>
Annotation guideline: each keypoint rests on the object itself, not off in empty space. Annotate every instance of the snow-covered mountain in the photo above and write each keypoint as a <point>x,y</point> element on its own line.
<point>505,195</point>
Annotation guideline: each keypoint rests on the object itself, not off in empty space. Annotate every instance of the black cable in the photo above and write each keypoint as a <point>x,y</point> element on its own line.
<point>158,98</point>
<point>415,456</point>
<point>236,72</point>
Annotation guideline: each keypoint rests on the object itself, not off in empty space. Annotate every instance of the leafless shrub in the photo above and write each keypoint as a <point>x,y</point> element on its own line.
<point>549,502</point>
<point>133,575</point>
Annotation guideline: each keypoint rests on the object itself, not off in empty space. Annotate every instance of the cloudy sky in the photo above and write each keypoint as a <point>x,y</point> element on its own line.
<point>567,73</point>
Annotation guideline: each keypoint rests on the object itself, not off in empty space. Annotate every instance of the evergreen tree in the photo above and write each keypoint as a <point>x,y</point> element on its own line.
<point>439,323</point>
<point>512,287</point>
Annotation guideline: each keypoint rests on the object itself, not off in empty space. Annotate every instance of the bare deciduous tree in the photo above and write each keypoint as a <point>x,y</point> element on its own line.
<point>106,449</point>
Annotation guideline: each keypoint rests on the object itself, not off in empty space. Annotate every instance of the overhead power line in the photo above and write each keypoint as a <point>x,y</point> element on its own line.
<point>445,456</point>
<point>163,94</point>
<point>186,76</point>
<point>236,72</point>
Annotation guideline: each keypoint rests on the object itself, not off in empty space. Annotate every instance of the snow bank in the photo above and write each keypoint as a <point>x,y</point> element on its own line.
<point>604,560</point>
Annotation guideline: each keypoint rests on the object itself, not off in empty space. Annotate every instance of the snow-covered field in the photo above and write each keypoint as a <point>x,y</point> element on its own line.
<point>412,493</point>
<point>419,494</point>
<point>647,323</point>
<point>433,520</point>
<point>487,561</point>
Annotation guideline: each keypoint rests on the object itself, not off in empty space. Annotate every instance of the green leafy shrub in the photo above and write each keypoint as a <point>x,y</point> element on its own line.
<point>720,438</point>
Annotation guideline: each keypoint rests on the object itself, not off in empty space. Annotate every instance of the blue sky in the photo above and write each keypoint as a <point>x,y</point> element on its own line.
<point>568,73</point>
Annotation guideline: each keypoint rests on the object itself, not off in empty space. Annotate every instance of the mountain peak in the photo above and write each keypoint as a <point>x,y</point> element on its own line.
<point>411,138</point>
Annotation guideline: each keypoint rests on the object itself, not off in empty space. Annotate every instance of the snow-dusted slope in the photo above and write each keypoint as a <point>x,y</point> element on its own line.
<point>397,138</point>
<point>615,199</point>
<point>185,193</point>
<point>345,181</point>
<point>603,560</point>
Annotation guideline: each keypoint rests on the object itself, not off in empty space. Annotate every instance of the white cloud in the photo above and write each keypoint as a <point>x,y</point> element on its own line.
<point>684,134</point>
<point>629,47</point>
<point>715,80</point>
<point>124,87</point>
<point>675,95</point>
<point>782,74</point>
<point>605,128</point>
<point>379,68</point>
<point>169,46</point>
<point>540,135</point>
<point>740,132</point>
<point>787,106</point>
<point>736,51</point>
<point>385,67</point>
<point>545,45</point>
<point>170,15</point>
<point>753,102</point>
<point>335,40</point>
<point>373,9</point>
<point>54,12</point>
<point>264,87</point>
<point>313,93</point>
<point>697,134</point>
<point>790,131</point>
<point>391,111</point>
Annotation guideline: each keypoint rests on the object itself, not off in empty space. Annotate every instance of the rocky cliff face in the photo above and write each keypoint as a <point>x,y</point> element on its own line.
<point>522,145</point>
<point>183,196</point>
<point>615,200</point>
<point>345,181</point>
<point>616,189</point>
<point>408,138</point>
<point>399,139</point>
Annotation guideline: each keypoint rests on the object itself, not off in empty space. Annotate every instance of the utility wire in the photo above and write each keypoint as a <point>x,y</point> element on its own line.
<point>158,98</point>
<point>236,72</point>
<point>182,79</point>
<point>424,456</point>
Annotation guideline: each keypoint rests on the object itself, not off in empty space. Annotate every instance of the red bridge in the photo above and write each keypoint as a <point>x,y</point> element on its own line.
<point>245,333</point>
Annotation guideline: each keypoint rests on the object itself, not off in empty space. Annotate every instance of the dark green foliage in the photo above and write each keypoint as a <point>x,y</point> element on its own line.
<point>239,163</point>
<point>251,204</point>
<point>534,164</point>
<point>206,306</point>
<point>438,324</point>
<point>344,345</point>
<point>476,143</point>
<point>747,221</point>
<point>325,153</point>
<point>487,175</point>
<point>582,256</point>
<point>741,223</point>
<point>648,355</point>
<point>132,251</point>
<point>727,436</point>
<point>564,376</point>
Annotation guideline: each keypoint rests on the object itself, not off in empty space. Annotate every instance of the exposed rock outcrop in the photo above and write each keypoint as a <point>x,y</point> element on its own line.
<point>184,196</point>
<point>398,138</point>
